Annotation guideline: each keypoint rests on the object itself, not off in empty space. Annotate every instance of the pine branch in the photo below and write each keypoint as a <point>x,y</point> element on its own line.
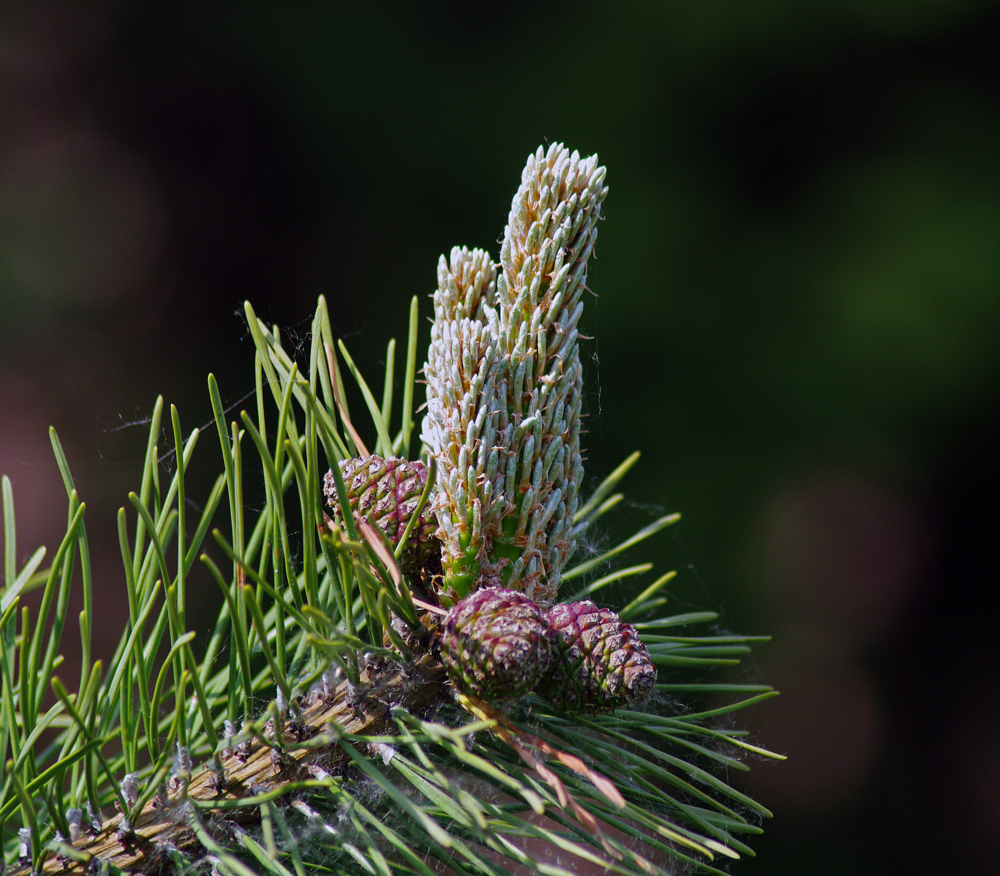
<point>475,710</point>
<point>257,768</point>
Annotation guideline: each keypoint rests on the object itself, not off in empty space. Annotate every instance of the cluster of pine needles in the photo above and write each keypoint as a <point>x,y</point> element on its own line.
<point>314,730</point>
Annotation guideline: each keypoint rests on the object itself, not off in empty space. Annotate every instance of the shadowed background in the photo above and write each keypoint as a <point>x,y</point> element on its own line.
<point>795,314</point>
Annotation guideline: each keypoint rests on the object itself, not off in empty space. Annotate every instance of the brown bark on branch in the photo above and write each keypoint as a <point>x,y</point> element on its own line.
<point>158,830</point>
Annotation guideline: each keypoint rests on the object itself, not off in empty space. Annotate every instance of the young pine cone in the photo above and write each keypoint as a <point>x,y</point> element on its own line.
<point>386,492</point>
<point>601,663</point>
<point>496,644</point>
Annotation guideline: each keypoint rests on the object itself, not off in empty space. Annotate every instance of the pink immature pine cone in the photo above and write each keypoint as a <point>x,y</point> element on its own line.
<point>496,644</point>
<point>601,663</point>
<point>386,493</point>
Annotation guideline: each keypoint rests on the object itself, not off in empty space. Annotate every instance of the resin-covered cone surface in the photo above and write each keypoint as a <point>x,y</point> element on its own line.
<point>601,663</point>
<point>387,492</point>
<point>496,644</point>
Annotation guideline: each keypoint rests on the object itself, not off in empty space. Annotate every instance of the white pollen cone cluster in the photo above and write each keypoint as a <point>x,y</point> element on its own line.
<point>505,386</point>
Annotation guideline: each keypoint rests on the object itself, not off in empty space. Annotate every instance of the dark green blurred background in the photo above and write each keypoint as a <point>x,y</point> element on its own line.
<point>796,314</point>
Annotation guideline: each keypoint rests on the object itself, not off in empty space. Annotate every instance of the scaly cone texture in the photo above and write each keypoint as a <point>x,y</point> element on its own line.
<point>496,644</point>
<point>505,386</point>
<point>601,663</point>
<point>386,492</point>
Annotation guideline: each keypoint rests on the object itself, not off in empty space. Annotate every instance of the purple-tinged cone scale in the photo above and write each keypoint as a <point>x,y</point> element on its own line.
<point>496,644</point>
<point>386,493</point>
<point>601,663</point>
